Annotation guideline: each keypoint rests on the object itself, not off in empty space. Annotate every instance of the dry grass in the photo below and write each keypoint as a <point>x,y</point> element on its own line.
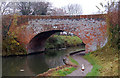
<point>107,57</point>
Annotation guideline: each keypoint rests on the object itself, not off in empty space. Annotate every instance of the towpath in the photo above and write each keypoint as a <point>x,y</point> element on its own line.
<point>81,60</point>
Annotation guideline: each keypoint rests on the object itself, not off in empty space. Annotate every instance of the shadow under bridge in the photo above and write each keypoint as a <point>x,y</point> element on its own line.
<point>37,43</point>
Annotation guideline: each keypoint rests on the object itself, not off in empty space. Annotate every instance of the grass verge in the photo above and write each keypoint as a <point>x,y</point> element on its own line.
<point>67,70</point>
<point>73,61</point>
<point>96,67</point>
<point>104,61</point>
<point>64,72</point>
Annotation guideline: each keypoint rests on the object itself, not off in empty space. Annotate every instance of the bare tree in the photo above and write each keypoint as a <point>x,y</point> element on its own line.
<point>73,9</point>
<point>25,8</point>
<point>33,8</point>
<point>9,8</point>
<point>4,7</point>
<point>56,11</point>
<point>40,8</point>
<point>108,7</point>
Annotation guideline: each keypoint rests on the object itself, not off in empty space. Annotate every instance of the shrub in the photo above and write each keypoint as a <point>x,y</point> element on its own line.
<point>11,47</point>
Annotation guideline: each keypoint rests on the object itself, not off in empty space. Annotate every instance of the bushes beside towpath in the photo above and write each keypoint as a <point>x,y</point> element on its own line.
<point>61,41</point>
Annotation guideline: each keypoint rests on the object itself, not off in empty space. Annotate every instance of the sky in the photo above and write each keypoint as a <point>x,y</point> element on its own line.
<point>88,6</point>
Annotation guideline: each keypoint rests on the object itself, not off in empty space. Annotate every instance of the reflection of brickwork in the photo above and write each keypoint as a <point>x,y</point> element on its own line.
<point>90,28</point>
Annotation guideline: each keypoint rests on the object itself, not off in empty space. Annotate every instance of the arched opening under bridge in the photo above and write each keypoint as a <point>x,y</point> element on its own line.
<point>37,43</point>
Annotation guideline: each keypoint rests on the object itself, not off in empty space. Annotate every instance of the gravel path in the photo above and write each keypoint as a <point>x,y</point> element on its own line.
<point>81,61</point>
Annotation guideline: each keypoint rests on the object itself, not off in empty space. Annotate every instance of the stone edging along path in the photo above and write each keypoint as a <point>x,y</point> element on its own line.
<point>78,57</point>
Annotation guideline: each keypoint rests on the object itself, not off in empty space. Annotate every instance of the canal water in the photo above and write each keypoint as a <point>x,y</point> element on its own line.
<point>36,63</point>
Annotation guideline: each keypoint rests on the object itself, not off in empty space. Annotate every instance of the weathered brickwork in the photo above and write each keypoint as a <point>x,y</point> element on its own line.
<point>90,29</point>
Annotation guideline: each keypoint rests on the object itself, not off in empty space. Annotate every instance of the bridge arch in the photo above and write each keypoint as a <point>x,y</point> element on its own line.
<point>37,43</point>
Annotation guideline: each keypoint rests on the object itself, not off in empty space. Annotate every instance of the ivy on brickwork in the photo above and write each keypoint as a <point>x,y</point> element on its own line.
<point>10,45</point>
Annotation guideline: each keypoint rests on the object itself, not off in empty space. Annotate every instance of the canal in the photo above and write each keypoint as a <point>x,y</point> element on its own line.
<point>36,63</point>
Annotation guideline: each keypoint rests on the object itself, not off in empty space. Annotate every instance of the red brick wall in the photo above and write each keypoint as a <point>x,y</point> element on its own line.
<point>90,28</point>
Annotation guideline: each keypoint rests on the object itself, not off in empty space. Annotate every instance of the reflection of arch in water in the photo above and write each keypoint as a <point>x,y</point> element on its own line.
<point>37,63</point>
<point>54,61</point>
<point>37,43</point>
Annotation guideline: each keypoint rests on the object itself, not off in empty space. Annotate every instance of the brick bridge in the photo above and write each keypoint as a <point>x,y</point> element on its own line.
<point>33,31</point>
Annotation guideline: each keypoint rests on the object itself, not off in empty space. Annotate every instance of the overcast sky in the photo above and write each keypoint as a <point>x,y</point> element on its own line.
<point>88,6</point>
